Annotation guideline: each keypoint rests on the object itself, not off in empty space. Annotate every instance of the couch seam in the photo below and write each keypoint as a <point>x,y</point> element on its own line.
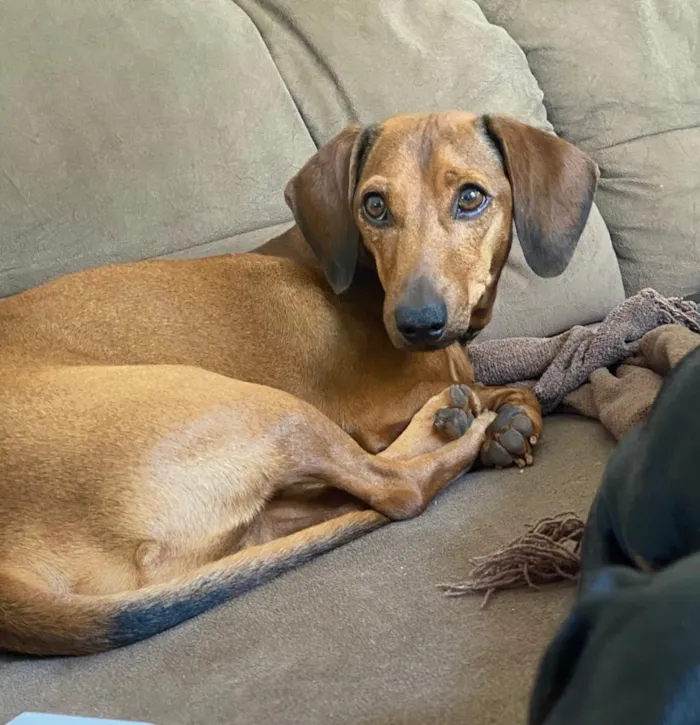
<point>279,72</point>
<point>32,266</point>
<point>643,136</point>
<point>222,237</point>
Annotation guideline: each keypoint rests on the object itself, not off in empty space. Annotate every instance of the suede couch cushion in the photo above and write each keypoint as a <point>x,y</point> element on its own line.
<point>133,130</point>
<point>169,127</point>
<point>360,635</point>
<point>622,80</point>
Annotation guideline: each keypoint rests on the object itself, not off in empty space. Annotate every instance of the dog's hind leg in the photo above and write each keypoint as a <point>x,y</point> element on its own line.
<point>401,480</point>
<point>135,522</point>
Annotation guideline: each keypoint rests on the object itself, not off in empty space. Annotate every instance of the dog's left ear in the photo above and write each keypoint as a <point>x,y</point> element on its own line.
<point>320,196</point>
<point>553,185</point>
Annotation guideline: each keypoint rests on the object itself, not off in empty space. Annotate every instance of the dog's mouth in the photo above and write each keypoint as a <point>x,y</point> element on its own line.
<point>469,335</point>
<point>463,338</point>
<point>429,346</point>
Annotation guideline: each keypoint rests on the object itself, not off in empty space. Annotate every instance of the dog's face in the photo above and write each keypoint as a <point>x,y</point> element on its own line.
<point>432,199</point>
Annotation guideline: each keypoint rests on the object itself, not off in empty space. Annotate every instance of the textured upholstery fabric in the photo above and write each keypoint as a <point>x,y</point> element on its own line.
<point>622,80</point>
<point>133,129</point>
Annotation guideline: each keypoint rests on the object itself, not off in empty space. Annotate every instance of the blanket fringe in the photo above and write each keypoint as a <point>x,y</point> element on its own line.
<point>548,552</point>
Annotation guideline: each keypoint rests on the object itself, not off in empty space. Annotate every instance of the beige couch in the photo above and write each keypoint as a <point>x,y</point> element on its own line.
<point>139,128</point>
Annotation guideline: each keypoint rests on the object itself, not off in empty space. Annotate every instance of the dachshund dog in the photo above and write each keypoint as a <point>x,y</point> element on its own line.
<point>175,432</point>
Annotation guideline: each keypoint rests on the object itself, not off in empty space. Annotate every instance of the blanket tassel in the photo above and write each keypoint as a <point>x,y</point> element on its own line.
<point>548,552</point>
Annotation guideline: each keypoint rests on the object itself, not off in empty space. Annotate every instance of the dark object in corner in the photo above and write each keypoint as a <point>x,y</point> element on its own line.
<point>628,653</point>
<point>693,298</point>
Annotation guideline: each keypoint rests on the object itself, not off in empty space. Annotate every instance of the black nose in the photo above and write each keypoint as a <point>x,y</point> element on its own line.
<point>421,324</point>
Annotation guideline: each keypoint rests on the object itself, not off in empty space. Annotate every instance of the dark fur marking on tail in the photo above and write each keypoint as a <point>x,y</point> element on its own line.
<point>146,619</point>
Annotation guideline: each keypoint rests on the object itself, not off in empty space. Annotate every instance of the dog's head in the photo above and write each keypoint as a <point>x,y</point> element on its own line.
<point>432,198</point>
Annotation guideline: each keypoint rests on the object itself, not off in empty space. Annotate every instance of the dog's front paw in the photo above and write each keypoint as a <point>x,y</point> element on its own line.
<point>453,422</point>
<point>509,439</point>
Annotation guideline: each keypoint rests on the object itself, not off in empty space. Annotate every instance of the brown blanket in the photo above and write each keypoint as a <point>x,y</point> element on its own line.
<point>621,398</point>
<point>612,373</point>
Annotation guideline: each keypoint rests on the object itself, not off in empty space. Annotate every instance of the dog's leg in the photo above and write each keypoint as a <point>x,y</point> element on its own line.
<point>167,467</point>
<point>512,436</point>
<point>136,524</point>
<point>402,480</point>
<point>446,417</point>
<point>510,439</point>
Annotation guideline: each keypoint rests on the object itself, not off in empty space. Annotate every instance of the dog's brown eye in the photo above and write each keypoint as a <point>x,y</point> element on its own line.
<point>375,207</point>
<point>470,201</point>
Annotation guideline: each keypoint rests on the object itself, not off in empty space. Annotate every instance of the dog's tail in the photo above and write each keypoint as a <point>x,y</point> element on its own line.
<point>35,620</point>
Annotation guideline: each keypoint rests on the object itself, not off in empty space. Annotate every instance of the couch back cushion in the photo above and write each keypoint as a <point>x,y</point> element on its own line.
<point>133,130</point>
<point>622,80</point>
<point>136,129</point>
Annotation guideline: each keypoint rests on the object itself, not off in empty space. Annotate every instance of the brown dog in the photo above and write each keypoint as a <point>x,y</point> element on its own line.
<point>175,432</point>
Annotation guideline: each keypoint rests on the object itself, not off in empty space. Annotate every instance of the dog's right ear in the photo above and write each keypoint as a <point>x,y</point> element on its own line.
<point>553,185</point>
<point>320,196</point>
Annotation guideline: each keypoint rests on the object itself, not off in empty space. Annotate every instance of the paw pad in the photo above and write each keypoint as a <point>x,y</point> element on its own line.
<point>509,439</point>
<point>454,422</point>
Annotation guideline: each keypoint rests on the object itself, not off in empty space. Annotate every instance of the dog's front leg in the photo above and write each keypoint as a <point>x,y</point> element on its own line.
<point>442,441</point>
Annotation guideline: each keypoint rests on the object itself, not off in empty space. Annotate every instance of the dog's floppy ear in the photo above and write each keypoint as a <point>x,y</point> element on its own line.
<point>320,196</point>
<point>553,185</point>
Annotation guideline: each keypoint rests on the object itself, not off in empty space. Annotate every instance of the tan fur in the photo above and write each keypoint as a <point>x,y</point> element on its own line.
<point>164,423</point>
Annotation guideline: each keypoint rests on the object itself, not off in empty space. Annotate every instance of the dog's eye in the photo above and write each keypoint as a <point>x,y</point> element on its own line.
<point>375,207</point>
<point>471,201</point>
